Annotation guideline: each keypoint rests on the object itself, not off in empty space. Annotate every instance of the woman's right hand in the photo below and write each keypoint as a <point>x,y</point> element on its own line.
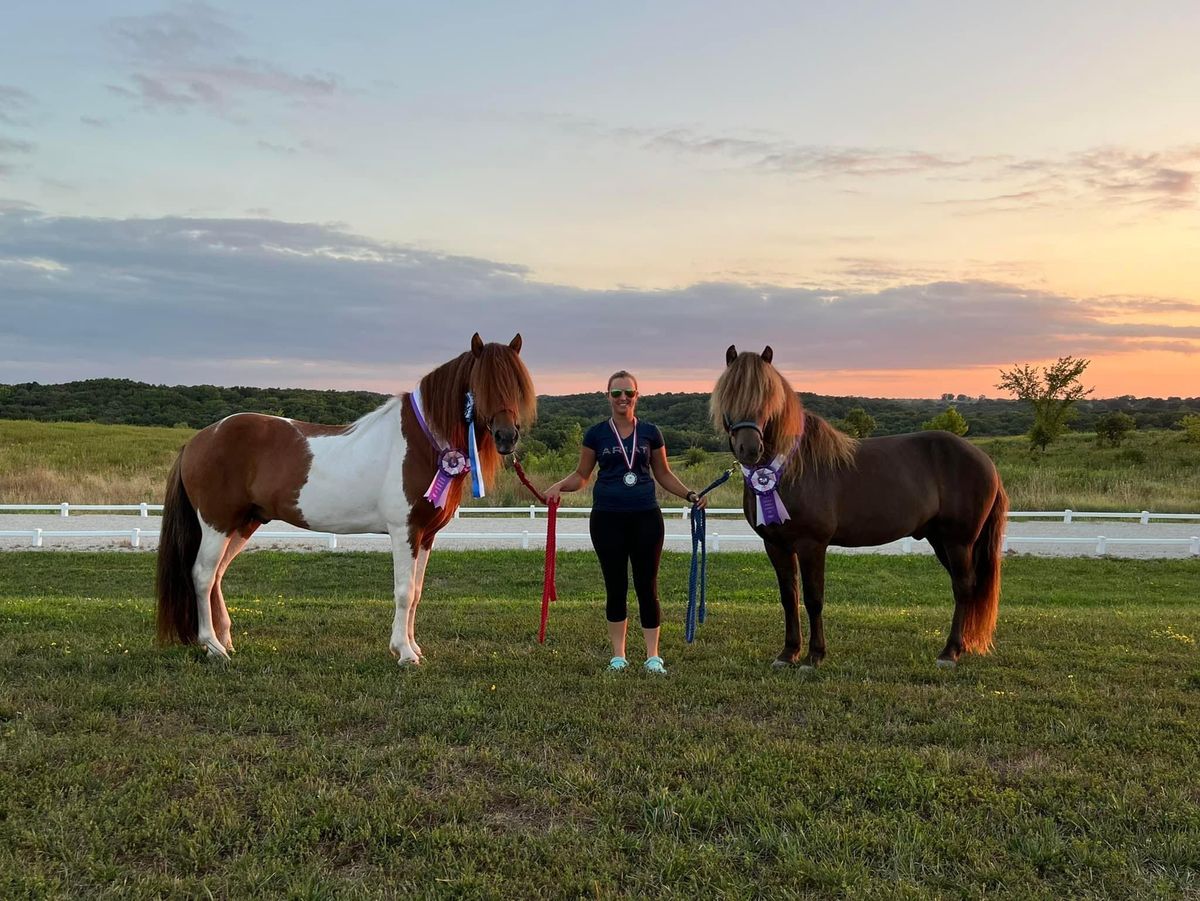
<point>554,492</point>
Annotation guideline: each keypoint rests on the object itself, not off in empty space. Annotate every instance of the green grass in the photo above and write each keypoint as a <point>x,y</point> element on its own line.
<point>84,463</point>
<point>1063,765</point>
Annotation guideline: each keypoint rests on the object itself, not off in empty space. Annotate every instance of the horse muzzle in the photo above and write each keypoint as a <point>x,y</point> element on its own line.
<point>505,439</point>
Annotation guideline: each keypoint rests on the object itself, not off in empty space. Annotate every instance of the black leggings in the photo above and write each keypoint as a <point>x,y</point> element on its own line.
<point>621,539</point>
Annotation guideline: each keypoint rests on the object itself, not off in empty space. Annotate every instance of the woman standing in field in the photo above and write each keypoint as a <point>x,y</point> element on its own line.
<point>626,523</point>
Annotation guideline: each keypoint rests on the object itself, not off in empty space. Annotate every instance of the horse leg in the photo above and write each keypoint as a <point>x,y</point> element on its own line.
<point>204,574</point>
<point>222,623</point>
<point>957,560</point>
<point>404,575</point>
<point>786,571</point>
<point>418,590</point>
<point>812,575</point>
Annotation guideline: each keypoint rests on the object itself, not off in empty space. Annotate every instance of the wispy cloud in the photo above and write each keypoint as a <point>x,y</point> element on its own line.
<point>1161,180</point>
<point>14,105</point>
<point>188,58</point>
<point>202,300</point>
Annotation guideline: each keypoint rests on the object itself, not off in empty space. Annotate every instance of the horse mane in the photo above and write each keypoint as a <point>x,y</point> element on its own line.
<point>502,382</point>
<point>751,388</point>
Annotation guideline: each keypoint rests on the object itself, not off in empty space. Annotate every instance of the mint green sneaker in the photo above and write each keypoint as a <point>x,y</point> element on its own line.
<point>617,664</point>
<point>655,665</point>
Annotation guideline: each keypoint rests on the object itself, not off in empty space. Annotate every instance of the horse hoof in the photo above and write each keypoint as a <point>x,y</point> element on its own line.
<point>806,668</point>
<point>217,656</point>
<point>408,661</point>
<point>781,663</point>
<point>944,663</point>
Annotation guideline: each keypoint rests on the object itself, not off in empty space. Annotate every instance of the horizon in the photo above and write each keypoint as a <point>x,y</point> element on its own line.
<point>901,201</point>
<point>1094,397</point>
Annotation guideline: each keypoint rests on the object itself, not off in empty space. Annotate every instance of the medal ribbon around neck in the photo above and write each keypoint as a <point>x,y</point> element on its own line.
<point>628,458</point>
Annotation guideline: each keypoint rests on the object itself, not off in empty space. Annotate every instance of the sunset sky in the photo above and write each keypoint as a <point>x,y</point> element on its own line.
<point>900,198</point>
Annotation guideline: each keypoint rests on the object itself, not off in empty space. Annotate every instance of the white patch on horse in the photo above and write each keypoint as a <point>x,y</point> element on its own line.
<point>355,479</point>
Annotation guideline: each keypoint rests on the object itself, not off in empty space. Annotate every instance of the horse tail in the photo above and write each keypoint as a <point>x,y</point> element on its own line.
<point>178,544</point>
<point>980,620</point>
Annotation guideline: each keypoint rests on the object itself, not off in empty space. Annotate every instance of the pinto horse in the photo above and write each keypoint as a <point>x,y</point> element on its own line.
<point>809,486</point>
<point>369,476</point>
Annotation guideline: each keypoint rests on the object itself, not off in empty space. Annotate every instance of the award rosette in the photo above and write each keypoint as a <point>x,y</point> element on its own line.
<point>451,464</point>
<point>764,482</point>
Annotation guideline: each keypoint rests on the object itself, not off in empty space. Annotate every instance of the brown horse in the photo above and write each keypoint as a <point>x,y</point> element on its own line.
<point>400,469</point>
<point>836,490</point>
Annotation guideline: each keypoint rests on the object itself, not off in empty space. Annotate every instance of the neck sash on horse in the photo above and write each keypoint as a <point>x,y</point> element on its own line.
<point>452,462</point>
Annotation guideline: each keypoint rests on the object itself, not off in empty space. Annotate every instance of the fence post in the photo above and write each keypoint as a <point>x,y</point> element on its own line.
<point>37,538</point>
<point>716,541</point>
<point>525,540</point>
<point>1100,545</point>
<point>1145,517</point>
<point>135,538</point>
<point>1066,515</point>
<point>456,512</point>
<point>64,510</point>
<point>1196,545</point>
<point>1004,544</point>
<point>332,542</point>
<point>532,512</point>
<point>906,545</point>
<point>144,509</point>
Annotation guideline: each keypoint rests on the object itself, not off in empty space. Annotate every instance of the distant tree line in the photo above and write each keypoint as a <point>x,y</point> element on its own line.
<point>683,418</point>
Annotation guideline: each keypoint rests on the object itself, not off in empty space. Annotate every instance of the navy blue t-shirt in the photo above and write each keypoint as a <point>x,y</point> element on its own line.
<point>611,493</point>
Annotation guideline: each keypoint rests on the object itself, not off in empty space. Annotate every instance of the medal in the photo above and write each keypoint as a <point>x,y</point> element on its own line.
<point>630,478</point>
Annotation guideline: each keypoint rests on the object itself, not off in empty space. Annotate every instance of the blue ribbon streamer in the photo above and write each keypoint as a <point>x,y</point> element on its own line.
<point>698,576</point>
<point>477,487</point>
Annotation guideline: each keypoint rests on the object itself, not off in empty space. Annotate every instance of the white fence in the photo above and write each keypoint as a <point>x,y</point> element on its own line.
<point>532,511</point>
<point>134,536</point>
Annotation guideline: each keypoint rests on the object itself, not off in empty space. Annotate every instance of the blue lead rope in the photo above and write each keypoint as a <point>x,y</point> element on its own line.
<point>699,572</point>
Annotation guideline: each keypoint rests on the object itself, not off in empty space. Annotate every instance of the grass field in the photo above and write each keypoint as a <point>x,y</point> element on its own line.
<point>1063,765</point>
<point>96,464</point>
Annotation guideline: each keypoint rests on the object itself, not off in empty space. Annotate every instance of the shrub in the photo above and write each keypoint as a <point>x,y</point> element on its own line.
<point>1191,427</point>
<point>1112,428</point>
<point>949,420</point>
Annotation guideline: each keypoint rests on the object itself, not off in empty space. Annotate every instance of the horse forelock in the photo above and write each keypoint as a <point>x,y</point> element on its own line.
<point>500,381</point>
<point>751,388</point>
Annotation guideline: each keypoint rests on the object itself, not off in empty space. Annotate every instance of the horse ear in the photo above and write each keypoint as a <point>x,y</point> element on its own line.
<point>476,344</point>
<point>515,343</point>
<point>768,354</point>
<point>730,355</point>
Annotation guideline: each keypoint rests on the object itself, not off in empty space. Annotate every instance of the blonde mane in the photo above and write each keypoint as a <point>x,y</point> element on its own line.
<point>750,388</point>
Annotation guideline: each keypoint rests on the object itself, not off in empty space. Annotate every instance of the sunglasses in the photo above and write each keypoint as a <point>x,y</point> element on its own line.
<point>617,392</point>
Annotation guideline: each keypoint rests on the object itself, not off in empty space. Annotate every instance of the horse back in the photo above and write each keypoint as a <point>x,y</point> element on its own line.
<point>249,467</point>
<point>901,484</point>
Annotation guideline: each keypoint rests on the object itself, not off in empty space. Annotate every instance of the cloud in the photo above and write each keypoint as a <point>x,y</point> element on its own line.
<point>10,147</point>
<point>1162,180</point>
<point>13,104</point>
<point>187,58</point>
<point>258,301</point>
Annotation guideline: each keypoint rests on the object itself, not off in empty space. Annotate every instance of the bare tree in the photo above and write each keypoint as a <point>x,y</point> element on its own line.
<point>1052,391</point>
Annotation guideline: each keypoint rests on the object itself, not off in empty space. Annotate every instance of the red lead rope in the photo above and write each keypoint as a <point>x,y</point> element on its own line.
<point>549,589</point>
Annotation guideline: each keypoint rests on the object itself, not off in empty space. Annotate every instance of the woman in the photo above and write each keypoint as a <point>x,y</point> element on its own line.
<point>626,524</point>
